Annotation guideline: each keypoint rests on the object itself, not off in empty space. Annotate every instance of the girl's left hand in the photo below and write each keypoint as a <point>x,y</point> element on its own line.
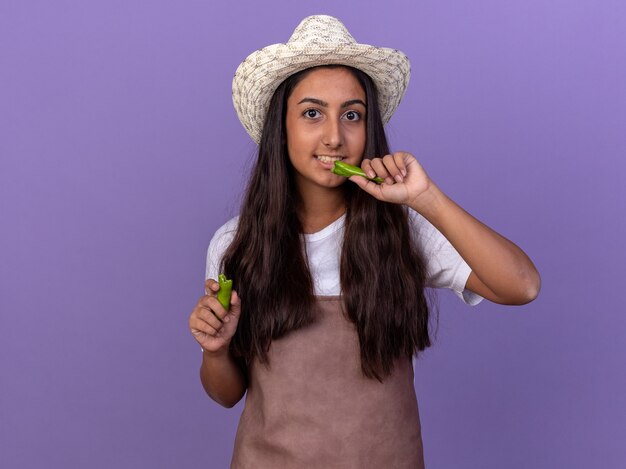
<point>405,179</point>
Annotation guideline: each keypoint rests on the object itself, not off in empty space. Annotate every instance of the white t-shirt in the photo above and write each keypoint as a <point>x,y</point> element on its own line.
<point>445,268</point>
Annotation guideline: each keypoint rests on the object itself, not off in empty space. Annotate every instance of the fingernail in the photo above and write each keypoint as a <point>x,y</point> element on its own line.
<point>371,174</point>
<point>403,172</point>
<point>398,177</point>
<point>226,318</point>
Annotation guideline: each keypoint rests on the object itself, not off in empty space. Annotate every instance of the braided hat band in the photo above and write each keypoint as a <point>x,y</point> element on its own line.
<point>318,40</point>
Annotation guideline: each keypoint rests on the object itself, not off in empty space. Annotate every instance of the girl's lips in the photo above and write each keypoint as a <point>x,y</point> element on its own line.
<point>330,160</point>
<point>328,166</point>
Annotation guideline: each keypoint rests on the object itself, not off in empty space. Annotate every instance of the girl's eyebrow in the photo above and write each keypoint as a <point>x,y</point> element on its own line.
<point>354,101</point>
<point>319,102</point>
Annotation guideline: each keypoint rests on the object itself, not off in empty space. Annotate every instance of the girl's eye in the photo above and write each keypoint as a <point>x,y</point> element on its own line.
<point>311,113</point>
<point>352,116</point>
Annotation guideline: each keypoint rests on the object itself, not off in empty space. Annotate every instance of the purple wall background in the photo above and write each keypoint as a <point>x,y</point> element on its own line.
<point>120,154</point>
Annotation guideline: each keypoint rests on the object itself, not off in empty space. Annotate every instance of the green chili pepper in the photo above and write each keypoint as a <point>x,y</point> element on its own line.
<point>226,287</point>
<point>347,170</point>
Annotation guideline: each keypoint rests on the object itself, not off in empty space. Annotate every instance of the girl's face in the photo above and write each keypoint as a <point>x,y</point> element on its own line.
<point>325,122</point>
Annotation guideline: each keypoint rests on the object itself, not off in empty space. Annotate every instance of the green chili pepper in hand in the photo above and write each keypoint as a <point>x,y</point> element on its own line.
<point>226,287</point>
<point>347,170</point>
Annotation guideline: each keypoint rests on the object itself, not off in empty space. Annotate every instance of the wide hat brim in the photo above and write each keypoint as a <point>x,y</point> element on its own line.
<point>258,76</point>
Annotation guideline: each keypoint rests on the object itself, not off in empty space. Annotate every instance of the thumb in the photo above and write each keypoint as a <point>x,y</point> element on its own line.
<point>235,305</point>
<point>368,186</point>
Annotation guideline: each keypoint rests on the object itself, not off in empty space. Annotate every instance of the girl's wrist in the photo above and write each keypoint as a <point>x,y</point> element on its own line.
<point>429,203</point>
<point>215,354</point>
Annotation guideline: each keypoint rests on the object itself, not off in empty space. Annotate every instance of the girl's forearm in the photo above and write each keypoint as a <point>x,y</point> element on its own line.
<point>222,378</point>
<point>504,273</point>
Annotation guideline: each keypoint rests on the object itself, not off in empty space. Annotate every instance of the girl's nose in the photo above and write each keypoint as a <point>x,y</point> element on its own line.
<point>333,137</point>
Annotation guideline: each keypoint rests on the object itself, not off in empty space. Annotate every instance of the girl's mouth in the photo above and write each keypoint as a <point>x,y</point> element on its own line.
<point>328,162</point>
<point>328,159</point>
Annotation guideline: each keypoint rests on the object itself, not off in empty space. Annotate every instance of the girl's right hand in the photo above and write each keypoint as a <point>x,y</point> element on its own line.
<point>210,324</point>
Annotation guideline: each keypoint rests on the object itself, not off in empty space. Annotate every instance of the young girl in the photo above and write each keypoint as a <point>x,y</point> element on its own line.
<point>328,304</point>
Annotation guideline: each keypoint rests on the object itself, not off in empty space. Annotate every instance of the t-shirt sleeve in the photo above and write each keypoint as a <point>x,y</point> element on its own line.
<point>445,268</point>
<point>217,247</point>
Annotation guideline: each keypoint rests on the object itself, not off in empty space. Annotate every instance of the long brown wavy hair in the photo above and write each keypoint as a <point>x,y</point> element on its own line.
<point>382,272</point>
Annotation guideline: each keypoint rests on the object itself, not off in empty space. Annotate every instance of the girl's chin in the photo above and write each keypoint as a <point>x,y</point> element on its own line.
<point>335,181</point>
<point>329,182</point>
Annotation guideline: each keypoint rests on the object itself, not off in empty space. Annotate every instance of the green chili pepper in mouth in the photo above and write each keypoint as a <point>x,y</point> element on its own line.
<point>344,169</point>
<point>226,288</point>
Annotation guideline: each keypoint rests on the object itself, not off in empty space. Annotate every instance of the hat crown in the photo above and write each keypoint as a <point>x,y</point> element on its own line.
<point>321,29</point>
<point>317,41</point>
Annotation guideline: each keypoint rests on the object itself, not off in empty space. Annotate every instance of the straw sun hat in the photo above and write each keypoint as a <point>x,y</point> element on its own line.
<point>318,40</point>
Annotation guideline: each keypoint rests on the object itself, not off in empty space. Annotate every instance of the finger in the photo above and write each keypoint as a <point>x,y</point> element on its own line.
<point>206,331</point>
<point>399,157</point>
<point>211,286</point>
<point>211,306</point>
<point>379,167</point>
<point>366,166</point>
<point>200,328</point>
<point>210,318</point>
<point>390,163</point>
<point>204,315</point>
<point>211,302</point>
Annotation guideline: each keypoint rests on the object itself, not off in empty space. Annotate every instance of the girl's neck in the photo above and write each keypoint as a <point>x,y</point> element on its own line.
<point>317,211</point>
